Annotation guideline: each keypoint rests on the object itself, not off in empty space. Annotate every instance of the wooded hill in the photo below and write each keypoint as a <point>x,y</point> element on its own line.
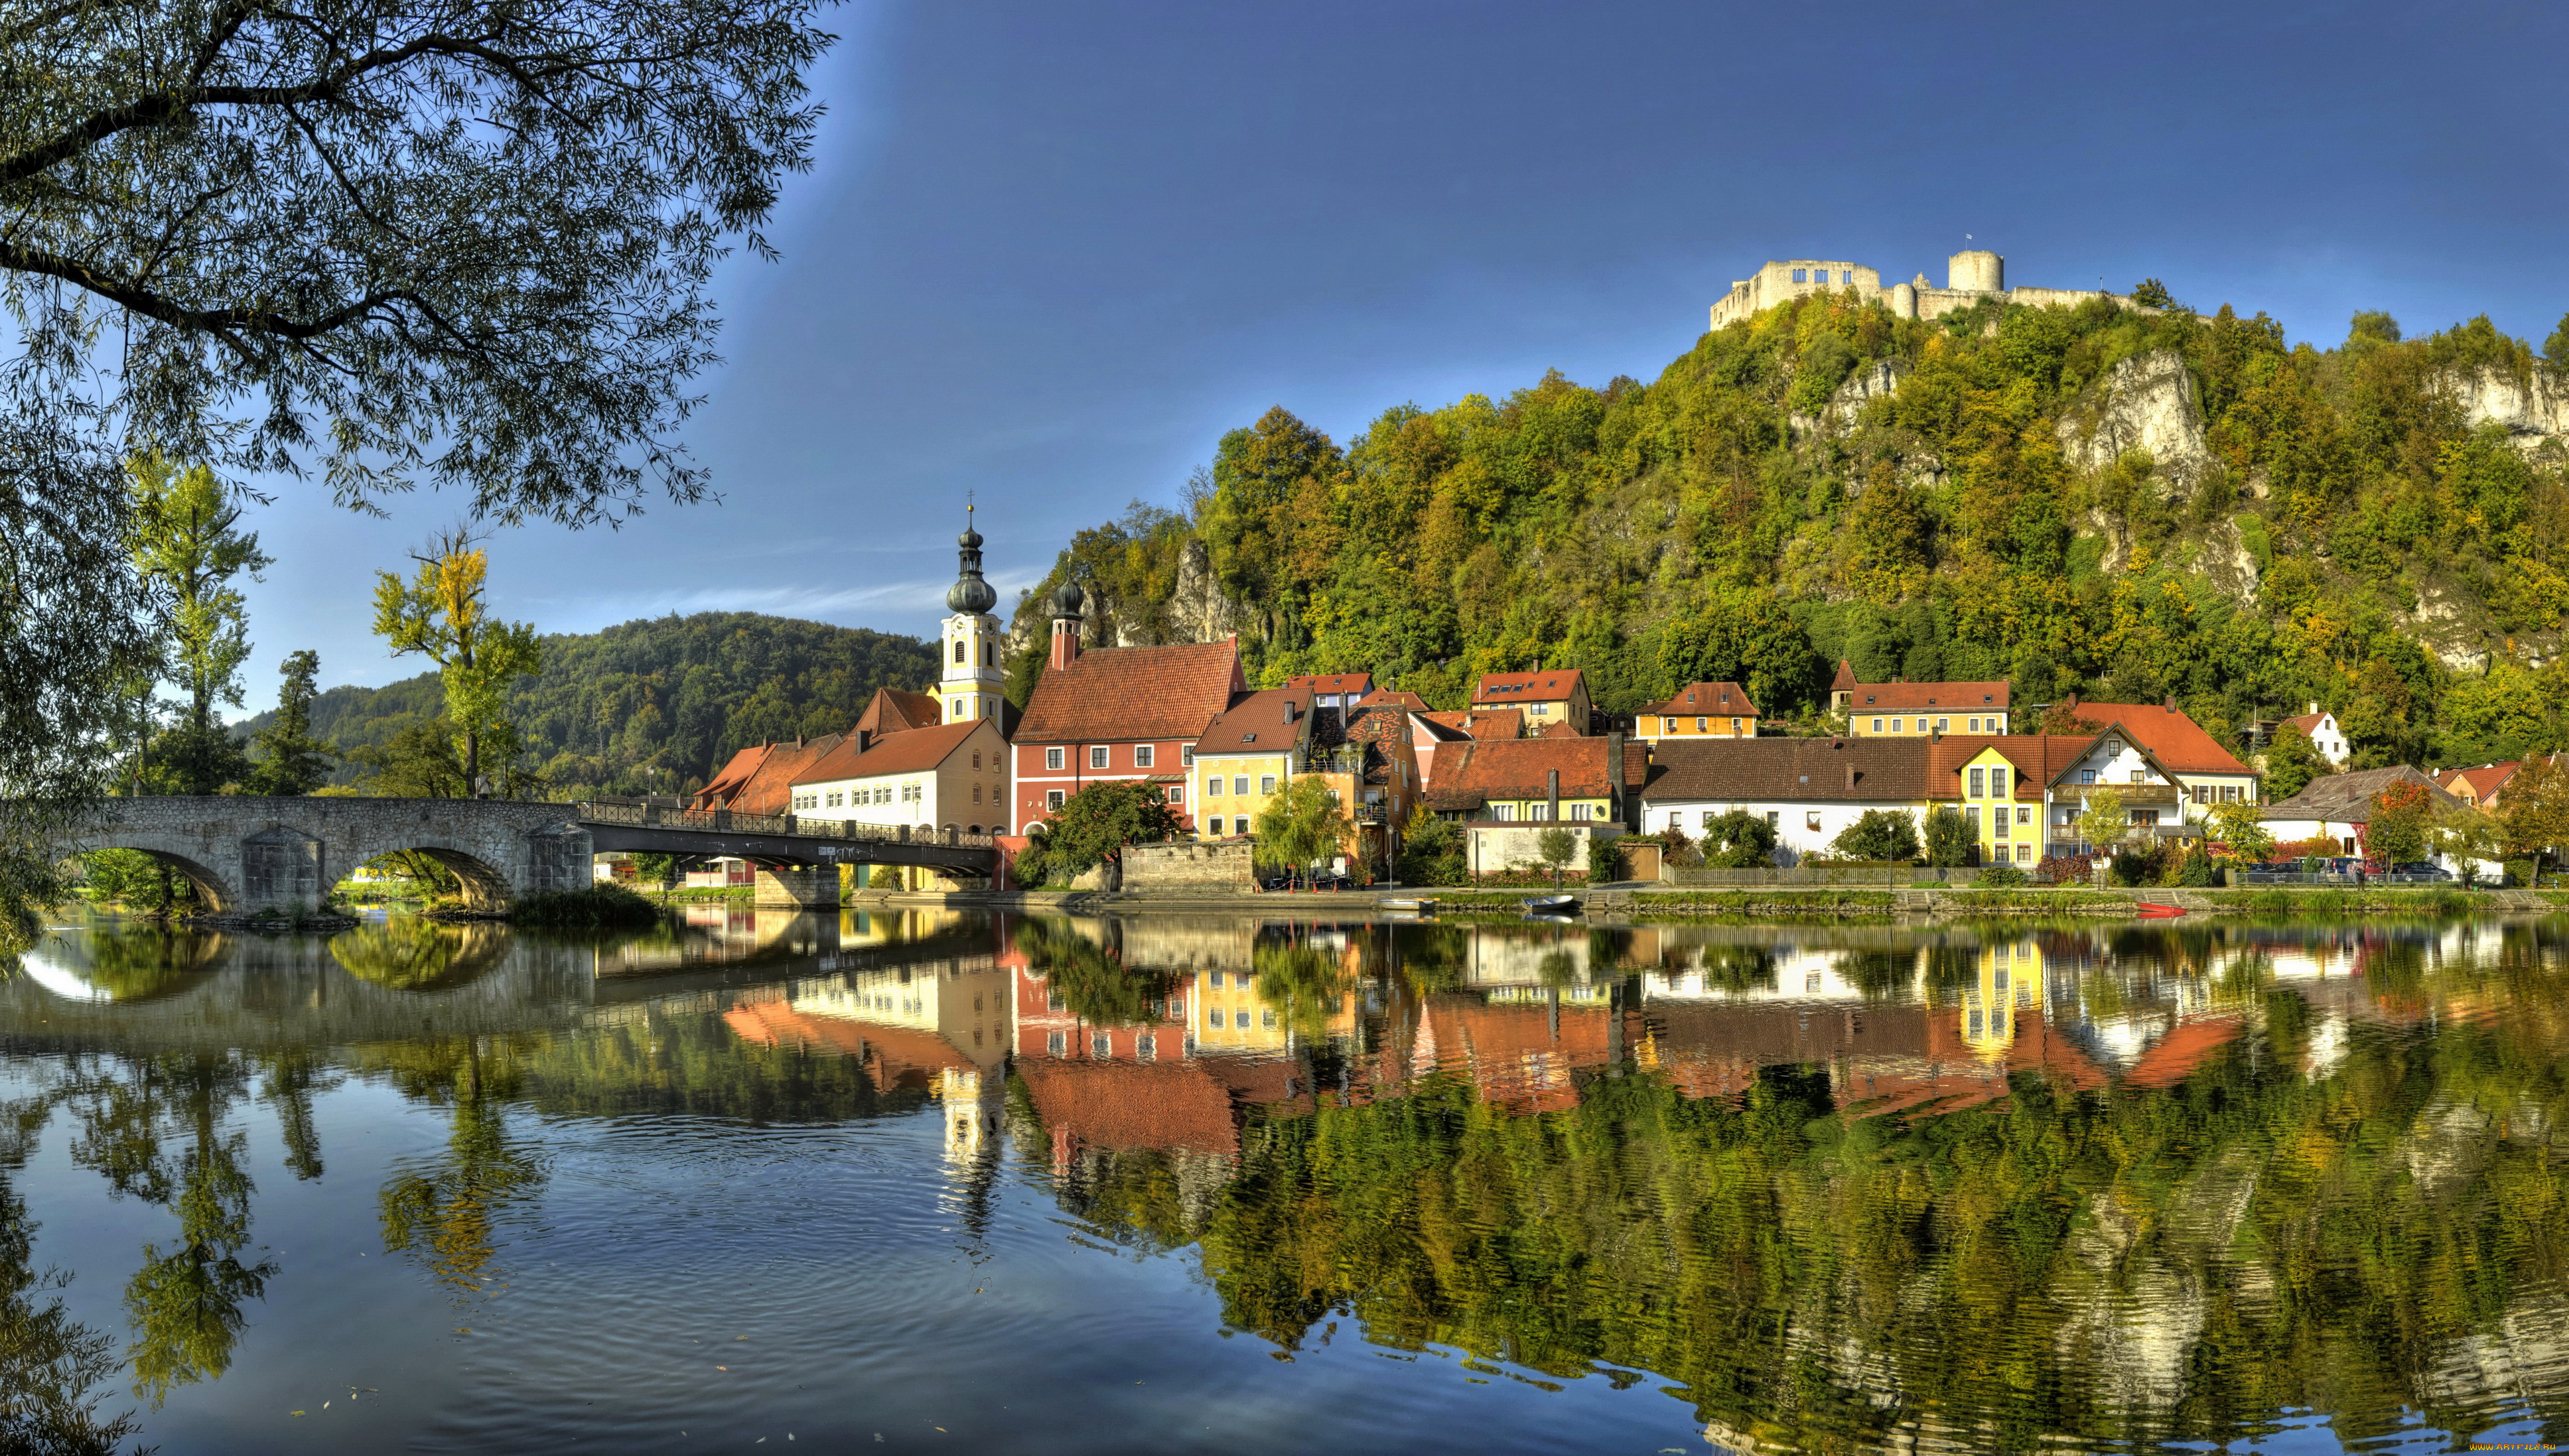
<point>2130,505</point>
<point>675,694</point>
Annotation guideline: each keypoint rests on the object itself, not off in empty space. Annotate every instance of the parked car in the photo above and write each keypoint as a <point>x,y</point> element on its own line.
<point>2421,870</point>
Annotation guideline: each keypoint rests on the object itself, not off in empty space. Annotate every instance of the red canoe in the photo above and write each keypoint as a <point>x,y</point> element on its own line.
<point>2161,911</point>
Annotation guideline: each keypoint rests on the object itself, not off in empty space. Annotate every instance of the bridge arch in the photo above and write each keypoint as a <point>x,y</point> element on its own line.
<point>214,889</point>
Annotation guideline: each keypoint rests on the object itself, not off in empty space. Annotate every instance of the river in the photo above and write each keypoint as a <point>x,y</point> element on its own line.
<point>948,1182</point>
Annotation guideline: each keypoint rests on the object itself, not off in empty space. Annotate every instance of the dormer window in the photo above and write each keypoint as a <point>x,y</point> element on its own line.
<point>1249,738</point>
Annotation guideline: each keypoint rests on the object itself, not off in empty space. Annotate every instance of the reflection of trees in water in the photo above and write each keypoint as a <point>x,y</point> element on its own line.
<point>1878,974</point>
<point>185,1304</point>
<point>411,954</point>
<point>1091,978</point>
<point>2164,1264</point>
<point>446,1214</point>
<point>1306,985</point>
<point>52,1367</point>
<point>1434,958</point>
<point>1738,967</point>
<point>131,960</point>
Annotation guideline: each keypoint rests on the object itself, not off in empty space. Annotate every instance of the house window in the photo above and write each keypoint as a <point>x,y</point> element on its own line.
<point>1052,758</point>
<point>1213,786</point>
<point>1998,820</point>
<point>1142,756</point>
<point>1240,785</point>
<point>2086,776</point>
<point>1097,758</point>
<point>1265,783</point>
<point>1975,791</point>
<point>1213,1017</point>
<point>1940,724</point>
<point>958,650</point>
<point>1266,1017</point>
<point>1734,727</point>
<point>1775,819</point>
<point>976,793</point>
<point>2141,776</point>
<point>2023,814</point>
<point>2203,793</point>
<point>2230,793</point>
<point>1895,725</point>
<point>1146,1047</point>
<point>1877,725</point>
<point>1503,813</point>
<point>1186,756</point>
<point>1052,797</point>
<point>1708,818</point>
<point>1177,792</point>
<point>2145,816</point>
<point>977,760</point>
<point>1811,819</point>
<point>1998,783</point>
<point>2025,854</point>
<point>1057,1043</point>
<point>1580,811</point>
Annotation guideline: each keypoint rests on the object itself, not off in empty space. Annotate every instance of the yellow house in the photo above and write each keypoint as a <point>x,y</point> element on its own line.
<point>1919,709</point>
<point>1245,757</point>
<point>2003,799</point>
<point>1699,710</point>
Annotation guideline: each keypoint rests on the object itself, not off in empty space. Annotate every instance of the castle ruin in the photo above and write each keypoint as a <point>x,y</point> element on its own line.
<point>1969,276</point>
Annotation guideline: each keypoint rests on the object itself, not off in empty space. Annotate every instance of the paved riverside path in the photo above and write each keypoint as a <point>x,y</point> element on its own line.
<point>245,854</point>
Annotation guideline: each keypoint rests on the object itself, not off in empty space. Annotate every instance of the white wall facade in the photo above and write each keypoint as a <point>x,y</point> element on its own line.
<point>1792,819</point>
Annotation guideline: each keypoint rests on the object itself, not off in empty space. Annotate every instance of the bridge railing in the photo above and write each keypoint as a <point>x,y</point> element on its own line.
<point>724,821</point>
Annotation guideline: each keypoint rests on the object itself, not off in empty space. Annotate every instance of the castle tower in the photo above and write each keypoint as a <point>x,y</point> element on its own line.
<point>972,677</point>
<point>1975,270</point>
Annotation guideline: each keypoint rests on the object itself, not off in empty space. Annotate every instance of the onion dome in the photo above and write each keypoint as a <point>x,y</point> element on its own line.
<point>970,593</point>
<point>1067,599</point>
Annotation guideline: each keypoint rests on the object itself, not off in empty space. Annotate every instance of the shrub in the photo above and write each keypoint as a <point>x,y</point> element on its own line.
<point>1739,840</point>
<point>2131,870</point>
<point>2519,872</point>
<point>1999,876</point>
<point>1879,834</point>
<point>601,907</point>
<point>2066,869</point>
<point>1604,860</point>
<point>2195,870</point>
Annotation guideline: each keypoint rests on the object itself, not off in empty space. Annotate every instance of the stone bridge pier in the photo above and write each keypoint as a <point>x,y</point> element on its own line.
<point>244,853</point>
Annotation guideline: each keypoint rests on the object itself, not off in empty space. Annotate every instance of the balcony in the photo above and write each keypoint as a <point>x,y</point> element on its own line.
<point>2134,796</point>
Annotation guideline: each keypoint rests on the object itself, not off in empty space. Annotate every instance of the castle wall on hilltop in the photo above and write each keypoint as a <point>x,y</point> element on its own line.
<point>1969,276</point>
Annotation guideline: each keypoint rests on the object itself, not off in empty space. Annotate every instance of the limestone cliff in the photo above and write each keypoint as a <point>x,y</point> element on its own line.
<point>2534,408</point>
<point>2148,402</point>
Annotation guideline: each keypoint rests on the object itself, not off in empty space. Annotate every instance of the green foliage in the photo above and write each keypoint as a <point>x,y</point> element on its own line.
<point>2556,348</point>
<point>1301,824</point>
<point>1739,839</point>
<point>1095,824</point>
<point>2195,868</point>
<point>135,881</point>
<point>1889,834</point>
<point>601,907</point>
<point>2151,293</point>
<point>656,706</point>
<point>1557,847</point>
<point>1604,860</point>
<point>192,758</point>
<point>1999,876</point>
<point>186,545</point>
<point>440,614</point>
<point>2104,822</point>
<point>2401,816</point>
<point>2291,761</point>
<point>1090,976</point>
<point>1431,850</point>
<point>1952,837</point>
<point>290,761</point>
<point>2238,828</point>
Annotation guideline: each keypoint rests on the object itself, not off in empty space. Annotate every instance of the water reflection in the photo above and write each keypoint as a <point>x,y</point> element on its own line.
<point>1834,1189</point>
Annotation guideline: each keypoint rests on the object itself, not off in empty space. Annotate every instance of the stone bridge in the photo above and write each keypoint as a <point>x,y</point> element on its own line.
<point>245,854</point>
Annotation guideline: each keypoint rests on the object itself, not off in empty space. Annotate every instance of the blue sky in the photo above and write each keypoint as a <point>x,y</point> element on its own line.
<point>1050,251</point>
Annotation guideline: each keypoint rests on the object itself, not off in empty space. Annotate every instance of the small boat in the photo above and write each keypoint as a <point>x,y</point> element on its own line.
<point>2150,912</point>
<point>1552,905</point>
<point>1422,903</point>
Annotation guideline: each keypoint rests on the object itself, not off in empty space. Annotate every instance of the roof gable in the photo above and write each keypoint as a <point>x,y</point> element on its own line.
<point>1275,721</point>
<point>892,710</point>
<point>1552,687</point>
<point>1714,699</point>
<point>1942,697</point>
<point>2174,740</point>
<point>915,751</point>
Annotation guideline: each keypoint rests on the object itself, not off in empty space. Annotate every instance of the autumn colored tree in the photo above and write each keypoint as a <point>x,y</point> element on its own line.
<point>440,614</point>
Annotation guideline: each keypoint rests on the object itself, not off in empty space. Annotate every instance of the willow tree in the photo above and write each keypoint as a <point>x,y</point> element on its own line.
<point>377,242</point>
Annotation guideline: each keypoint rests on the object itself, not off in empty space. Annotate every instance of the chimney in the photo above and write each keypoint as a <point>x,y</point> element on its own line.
<point>2314,707</point>
<point>1065,641</point>
<point>1552,788</point>
<point>1850,776</point>
<point>2171,704</point>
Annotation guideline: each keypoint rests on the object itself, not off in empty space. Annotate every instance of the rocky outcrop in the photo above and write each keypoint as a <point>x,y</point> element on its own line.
<point>2148,402</point>
<point>1877,380</point>
<point>1197,609</point>
<point>2534,410</point>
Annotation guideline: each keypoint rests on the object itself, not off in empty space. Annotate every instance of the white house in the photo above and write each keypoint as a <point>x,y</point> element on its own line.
<point>1810,790</point>
<point>2338,806</point>
<point>951,776</point>
<point>2322,730</point>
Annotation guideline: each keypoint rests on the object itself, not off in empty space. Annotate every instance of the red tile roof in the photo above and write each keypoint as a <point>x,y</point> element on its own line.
<point>1487,724</point>
<point>892,711</point>
<point>1845,678</point>
<point>2038,757</point>
<point>770,788</point>
<point>2185,1047</point>
<point>717,792</point>
<point>912,752</point>
<point>2483,780</point>
<point>2169,736</point>
<point>1557,730</point>
<point>1519,768</point>
<point>1386,697</point>
<point>1358,683</point>
<point>2309,723</point>
<point>1716,699</point>
<point>1948,697</point>
<point>1133,694</point>
<point>1551,686</point>
<point>1272,721</point>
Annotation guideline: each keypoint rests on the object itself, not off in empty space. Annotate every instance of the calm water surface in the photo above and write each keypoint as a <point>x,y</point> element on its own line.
<point>955,1183</point>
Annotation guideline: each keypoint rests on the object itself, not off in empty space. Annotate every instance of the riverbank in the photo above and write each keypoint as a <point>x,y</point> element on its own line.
<point>1638,903</point>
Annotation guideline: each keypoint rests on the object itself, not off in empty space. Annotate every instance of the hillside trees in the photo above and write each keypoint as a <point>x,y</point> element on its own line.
<point>2365,530</point>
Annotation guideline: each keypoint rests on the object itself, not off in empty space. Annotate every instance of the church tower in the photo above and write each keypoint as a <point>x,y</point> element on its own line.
<point>973,678</point>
